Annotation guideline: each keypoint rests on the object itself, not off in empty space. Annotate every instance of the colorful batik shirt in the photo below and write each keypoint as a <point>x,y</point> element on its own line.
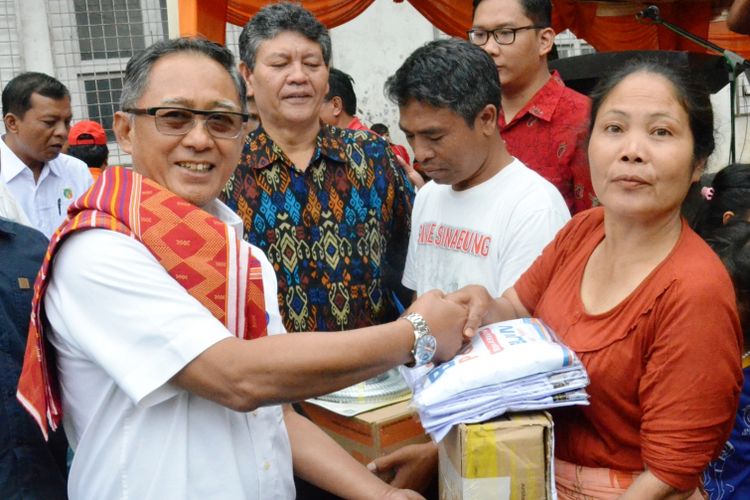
<point>336,233</point>
<point>549,136</point>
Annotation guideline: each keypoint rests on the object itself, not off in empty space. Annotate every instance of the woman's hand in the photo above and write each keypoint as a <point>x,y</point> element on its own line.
<point>478,302</point>
<point>483,309</point>
<point>647,485</point>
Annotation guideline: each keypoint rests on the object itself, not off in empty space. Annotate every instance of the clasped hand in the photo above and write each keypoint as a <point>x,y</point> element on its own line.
<point>446,319</point>
<point>454,318</point>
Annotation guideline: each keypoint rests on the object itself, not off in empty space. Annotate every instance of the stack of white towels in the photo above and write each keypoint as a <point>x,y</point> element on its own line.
<point>516,365</point>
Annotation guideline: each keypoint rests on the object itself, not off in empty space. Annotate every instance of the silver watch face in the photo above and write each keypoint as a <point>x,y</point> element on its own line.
<point>424,349</point>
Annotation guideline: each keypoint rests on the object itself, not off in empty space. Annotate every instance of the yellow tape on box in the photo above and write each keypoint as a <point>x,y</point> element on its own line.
<point>507,458</point>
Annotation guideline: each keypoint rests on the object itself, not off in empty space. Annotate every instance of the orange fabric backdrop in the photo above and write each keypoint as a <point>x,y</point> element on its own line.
<point>208,17</point>
<point>452,17</point>
<point>719,33</point>
<point>330,12</point>
<point>612,26</point>
<point>607,26</point>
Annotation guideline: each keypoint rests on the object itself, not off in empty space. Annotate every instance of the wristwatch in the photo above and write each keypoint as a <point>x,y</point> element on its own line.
<point>424,343</point>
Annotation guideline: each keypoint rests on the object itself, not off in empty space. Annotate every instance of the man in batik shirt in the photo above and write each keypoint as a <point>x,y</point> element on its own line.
<point>328,206</point>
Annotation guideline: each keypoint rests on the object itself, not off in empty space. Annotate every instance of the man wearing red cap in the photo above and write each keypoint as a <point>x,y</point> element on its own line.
<point>87,141</point>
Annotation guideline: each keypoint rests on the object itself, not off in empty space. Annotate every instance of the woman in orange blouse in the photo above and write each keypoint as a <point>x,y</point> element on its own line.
<point>640,297</point>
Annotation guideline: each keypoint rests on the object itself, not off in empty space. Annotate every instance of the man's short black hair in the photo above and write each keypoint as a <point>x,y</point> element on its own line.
<point>448,73</point>
<point>379,128</point>
<point>539,11</point>
<point>17,94</point>
<point>94,155</point>
<point>340,84</point>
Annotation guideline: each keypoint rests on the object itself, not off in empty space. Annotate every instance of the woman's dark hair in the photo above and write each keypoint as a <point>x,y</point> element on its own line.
<point>691,93</point>
<point>731,242</point>
<point>729,191</point>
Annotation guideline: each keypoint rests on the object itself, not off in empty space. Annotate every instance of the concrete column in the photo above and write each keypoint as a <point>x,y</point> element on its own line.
<point>34,37</point>
<point>173,18</point>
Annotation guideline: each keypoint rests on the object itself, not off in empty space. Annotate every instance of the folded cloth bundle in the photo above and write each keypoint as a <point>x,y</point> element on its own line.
<point>513,365</point>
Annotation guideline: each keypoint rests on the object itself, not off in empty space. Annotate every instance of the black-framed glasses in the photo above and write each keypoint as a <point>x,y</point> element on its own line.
<point>503,36</point>
<point>180,121</point>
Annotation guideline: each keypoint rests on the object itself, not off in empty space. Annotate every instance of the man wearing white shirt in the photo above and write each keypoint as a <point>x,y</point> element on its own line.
<point>43,180</point>
<point>485,216</point>
<point>170,380</point>
<point>9,207</point>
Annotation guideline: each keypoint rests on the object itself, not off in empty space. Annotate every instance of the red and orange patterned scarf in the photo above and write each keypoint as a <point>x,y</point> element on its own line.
<point>195,248</point>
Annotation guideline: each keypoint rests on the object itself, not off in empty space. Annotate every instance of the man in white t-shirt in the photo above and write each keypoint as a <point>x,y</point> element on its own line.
<point>485,216</point>
<point>43,180</point>
<point>163,396</point>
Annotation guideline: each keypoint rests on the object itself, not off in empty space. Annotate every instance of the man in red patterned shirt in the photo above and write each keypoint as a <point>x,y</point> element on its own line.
<point>544,123</point>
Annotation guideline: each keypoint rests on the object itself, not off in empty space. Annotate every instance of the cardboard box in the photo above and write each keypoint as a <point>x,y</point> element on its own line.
<point>371,434</point>
<point>507,458</point>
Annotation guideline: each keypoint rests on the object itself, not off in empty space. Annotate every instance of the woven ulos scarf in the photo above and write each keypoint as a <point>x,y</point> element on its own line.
<point>195,248</point>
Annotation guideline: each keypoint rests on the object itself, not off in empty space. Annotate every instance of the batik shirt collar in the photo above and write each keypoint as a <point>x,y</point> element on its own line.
<point>263,152</point>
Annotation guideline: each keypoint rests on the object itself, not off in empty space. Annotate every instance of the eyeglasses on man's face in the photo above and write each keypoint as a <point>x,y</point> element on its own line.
<point>180,121</point>
<point>503,36</point>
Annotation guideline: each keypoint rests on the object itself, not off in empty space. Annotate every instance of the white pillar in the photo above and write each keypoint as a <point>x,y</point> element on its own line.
<point>173,18</point>
<point>35,46</point>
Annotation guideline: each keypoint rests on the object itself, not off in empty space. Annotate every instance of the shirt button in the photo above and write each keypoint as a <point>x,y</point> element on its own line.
<point>266,465</point>
<point>254,413</point>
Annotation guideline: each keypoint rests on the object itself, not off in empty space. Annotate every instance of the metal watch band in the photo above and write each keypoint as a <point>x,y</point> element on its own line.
<point>420,328</point>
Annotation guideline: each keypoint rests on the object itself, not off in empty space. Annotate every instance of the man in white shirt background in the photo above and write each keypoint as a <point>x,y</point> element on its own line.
<point>44,182</point>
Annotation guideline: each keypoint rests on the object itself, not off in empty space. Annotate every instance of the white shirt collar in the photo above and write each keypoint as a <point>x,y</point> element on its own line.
<point>12,165</point>
<point>226,215</point>
<point>9,207</point>
<point>55,167</point>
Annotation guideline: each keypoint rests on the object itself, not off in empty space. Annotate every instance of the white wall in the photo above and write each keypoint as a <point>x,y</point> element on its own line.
<point>371,47</point>
<point>720,158</point>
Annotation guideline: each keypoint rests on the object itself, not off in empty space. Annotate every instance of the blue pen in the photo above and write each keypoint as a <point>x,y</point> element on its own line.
<point>59,206</point>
